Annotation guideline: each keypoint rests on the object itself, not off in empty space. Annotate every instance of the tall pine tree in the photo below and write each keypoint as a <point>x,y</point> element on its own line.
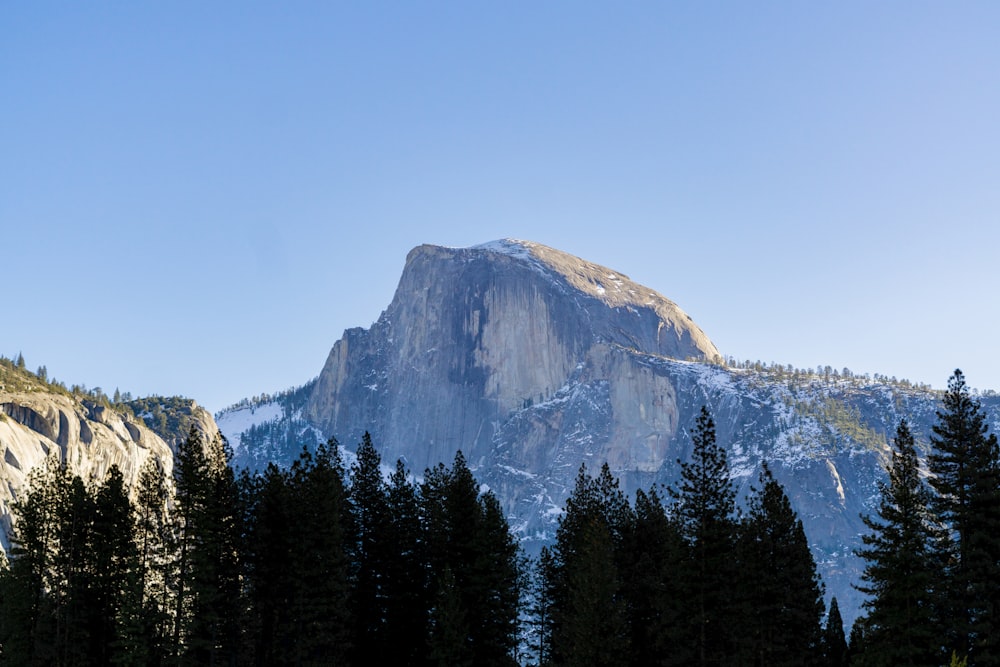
<point>270,553</point>
<point>468,538</point>
<point>323,543</point>
<point>148,603</point>
<point>965,465</point>
<point>835,651</point>
<point>587,615</point>
<point>902,568</point>
<point>406,586</point>
<point>373,548</point>
<point>655,557</point>
<point>208,590</point>
<point>785,597</point>
<point>706,511</point>
<point>27,617</point>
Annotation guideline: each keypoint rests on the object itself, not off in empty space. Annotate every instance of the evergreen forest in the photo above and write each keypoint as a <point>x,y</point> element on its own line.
<point>321,563</point>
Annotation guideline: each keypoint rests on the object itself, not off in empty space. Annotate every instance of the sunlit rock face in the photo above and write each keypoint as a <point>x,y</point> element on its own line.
<point>510,342</point>
<point>37,423</point>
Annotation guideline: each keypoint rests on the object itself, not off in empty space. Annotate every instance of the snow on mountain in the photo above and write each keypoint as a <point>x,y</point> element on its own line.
<point>533,362</point>
<point>233,423</point>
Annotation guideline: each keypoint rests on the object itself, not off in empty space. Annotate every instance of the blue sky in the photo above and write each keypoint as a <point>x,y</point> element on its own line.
<point>198,198</point>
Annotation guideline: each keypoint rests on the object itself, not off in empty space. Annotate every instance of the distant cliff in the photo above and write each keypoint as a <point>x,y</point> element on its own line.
<point>533,362</point>
<point>474,336</point>
<point>38,420</point>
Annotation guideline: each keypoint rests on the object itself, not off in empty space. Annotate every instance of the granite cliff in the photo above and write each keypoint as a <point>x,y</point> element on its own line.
<point>533,362</point>
<point>475,336</point>
<point>38,420</point>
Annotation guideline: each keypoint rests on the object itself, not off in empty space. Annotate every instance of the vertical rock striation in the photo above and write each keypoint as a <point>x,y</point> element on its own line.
<point>475,336</point>
<point>36,424</point>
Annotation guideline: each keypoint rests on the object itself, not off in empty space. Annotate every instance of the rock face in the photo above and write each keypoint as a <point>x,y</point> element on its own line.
<point>533,362</point>
<point>475,336</point>
<point>36,423</point>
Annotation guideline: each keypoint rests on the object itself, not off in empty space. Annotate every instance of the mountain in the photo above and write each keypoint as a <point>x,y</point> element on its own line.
<point>533,362</point>
<point>474,336</point>
<point>39,419</point>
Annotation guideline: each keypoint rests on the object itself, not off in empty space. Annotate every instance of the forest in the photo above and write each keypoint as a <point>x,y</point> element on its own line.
<point>324,564</point>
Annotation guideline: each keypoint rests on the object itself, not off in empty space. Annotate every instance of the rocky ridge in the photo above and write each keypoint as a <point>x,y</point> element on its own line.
<point>38,421</point>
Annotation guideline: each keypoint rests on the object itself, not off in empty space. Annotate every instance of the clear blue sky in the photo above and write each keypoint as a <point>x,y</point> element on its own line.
<point>198,198</point>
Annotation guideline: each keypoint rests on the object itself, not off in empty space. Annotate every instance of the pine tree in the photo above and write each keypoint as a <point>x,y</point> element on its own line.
<point>270,561</point>
<point>208,592</point>
<point>323,541</point>
<point>835,652</point>
<point>297,562</point>
<point>146,614</point>
<point>498,579</point>
<point>449,639</point>
<point>965,465</point>
<point>467,535</point>
<point>406,586</point>
<point>587,616</point>
<point>785,597</point>
<point>705,508</point>
<point>72,574</point>
<point>371,515</point>
<point>115,560</point>
<point>902,567</point>
<point>29,608</point>
<point>73,561</point>
<point>544,576</point>
<point>656,558</point>
<point>596,632</point>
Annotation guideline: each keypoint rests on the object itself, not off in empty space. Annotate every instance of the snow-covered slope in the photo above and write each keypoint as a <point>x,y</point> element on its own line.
<point>268,428</point>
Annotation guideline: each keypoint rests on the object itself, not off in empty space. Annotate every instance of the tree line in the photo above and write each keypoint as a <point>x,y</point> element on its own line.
<point>310,565</point>
<point>319,563</point>
<point>932,557</point>
<point>686,579</point>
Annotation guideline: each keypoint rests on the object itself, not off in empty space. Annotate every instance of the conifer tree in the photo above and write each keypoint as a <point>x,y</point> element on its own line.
<point>297,562</point>
<point>371,515</point>
<point>324,538</point>
<point>72,574</point>
<point>785,597</point>
<point>270,561</point>
<point>65,594</point>
<point>27,616</point>
<point>498,572</point>
<point>545,576</point>
<point>405,581</point>
<point>902,567</point>
<point>655,561</point>
<point>596,632</point>
<point>705,508</point>
<point>587,622</point>
<point>965,465</point>
<point>114,558</point>
<point>449,640</point>
<point>208,592</point>
<point>835,652</point>
<point>467,534</point>
<point>148,603</point>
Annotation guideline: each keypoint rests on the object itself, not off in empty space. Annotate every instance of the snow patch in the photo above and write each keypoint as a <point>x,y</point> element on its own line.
<point>519,473</point>
<point>233,423</point>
